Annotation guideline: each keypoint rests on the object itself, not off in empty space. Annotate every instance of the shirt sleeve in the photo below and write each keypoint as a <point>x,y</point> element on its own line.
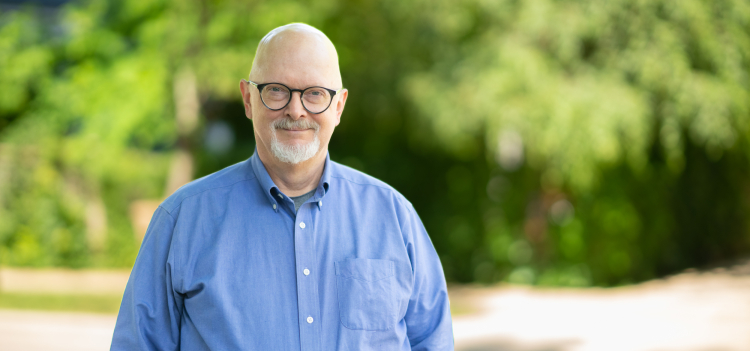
<point>428,318</point>
<point>150,312</point>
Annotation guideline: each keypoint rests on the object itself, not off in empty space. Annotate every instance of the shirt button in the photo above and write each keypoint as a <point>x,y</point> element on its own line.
<point>274,206</point>
<point>281,196</point>
<point>309,320</point>
<point>320,203</point>
<point>306,271</point>
<point>302,225</point>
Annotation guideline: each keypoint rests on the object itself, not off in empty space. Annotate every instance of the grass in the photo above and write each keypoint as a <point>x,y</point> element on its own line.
<point>109,304</point>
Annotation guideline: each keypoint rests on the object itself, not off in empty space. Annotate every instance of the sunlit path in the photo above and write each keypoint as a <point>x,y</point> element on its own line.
<point>37,331</point>
<point>687,312</point>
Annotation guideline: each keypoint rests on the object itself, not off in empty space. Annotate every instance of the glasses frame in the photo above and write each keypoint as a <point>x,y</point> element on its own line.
<point>291,92</point>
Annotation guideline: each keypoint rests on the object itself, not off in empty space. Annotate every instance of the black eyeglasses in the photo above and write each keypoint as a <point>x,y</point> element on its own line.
<point>276,96</point>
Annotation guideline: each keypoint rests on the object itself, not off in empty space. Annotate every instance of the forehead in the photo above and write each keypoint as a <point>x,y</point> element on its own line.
<point>296,72</point>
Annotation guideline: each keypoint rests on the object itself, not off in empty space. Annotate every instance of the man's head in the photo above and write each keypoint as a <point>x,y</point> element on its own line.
<point>297,56</point>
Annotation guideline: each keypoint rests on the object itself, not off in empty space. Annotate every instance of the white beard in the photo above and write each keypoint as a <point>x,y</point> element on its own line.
<point>294,154</point>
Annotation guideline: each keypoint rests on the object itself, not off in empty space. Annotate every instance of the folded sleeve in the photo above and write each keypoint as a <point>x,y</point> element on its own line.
<point>149,317</point>
<point>428,319</point>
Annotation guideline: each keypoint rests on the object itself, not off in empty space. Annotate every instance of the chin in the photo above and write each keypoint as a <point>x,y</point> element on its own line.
<point>295,153</point>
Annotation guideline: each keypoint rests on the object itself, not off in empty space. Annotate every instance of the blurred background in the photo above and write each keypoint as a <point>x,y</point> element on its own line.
<point>546,144</point>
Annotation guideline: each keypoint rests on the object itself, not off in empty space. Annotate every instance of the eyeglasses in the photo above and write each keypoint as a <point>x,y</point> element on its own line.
<point>276,96</point>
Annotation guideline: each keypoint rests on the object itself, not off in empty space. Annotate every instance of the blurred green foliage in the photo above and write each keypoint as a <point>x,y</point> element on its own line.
<point>543,142</point>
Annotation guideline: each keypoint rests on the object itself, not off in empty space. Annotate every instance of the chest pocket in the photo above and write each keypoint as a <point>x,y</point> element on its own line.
<point>365,289</point>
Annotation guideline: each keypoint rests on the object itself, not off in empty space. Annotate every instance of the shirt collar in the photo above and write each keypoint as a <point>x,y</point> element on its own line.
<point>324,179</point>
<point>268,185</point>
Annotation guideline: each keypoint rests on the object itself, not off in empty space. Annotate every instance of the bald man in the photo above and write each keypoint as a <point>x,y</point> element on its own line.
<point>287,250</point>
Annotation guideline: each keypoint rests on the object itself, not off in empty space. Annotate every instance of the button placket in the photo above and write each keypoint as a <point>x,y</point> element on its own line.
<point>308,303</point>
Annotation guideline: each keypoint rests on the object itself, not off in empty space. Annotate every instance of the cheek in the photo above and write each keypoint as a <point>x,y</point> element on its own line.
<point>261,116</point>
<point>261,124</point>
<point>326,127</point>
<point>325,122</point>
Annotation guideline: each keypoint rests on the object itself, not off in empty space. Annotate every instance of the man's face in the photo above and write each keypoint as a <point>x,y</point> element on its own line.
<point>293,134</point>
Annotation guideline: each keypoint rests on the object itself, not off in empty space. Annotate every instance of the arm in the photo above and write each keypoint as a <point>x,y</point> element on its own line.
<point>428,319</point>
<point>150,312</point>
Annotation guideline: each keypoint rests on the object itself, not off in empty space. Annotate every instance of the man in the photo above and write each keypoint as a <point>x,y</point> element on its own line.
<point>287,250</point>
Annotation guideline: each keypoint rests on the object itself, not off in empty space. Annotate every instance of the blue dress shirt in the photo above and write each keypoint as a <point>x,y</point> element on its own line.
<point>226,264</point>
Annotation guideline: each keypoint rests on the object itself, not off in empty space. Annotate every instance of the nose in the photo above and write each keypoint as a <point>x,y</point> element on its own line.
<point>295,110</point>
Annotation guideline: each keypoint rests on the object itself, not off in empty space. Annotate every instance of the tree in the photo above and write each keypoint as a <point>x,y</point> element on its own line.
<point>636,112</point>
<point>567,142</point>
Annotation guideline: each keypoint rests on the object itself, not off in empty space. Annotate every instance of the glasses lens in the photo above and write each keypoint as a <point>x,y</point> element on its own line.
<point>316,100</point>
<point>275,96</point>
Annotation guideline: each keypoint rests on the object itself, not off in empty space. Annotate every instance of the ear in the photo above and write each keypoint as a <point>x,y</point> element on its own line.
<point>340,102</point>
<point>246,98</point>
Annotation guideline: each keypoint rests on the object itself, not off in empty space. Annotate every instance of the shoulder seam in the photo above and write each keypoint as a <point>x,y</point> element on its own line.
<point>205,190</point>
<point>387,187</point>
<point>169,213</point>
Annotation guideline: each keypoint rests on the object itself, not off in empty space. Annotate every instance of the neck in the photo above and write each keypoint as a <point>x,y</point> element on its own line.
<point>294,180</point>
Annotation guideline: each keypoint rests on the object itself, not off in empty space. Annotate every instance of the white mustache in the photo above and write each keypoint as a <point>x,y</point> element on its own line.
<point>302,123</point>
